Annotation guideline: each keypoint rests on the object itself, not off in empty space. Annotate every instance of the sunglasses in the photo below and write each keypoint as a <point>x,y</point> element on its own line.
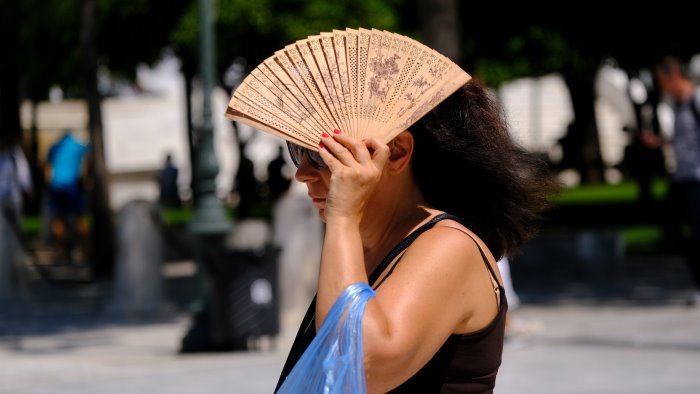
<point>297,154</point>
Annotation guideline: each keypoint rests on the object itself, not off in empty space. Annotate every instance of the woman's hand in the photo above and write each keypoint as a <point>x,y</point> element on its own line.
<point>355,170</point>
<point>356,167</point>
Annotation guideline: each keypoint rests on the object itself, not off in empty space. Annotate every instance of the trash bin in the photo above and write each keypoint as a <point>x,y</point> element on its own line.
<point>242,302</point>
<point>244,297</point>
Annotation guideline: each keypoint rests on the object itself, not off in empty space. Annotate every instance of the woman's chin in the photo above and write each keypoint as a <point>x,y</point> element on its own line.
<point>322,214</point>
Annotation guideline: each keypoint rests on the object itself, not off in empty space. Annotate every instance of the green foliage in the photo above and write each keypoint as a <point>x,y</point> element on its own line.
<point>185,31</point>
<point>535,51</point>
<point>255,29</point>
<point>642,239</point>
<point>47,41</point>
<point>319,15</point>
<point>257,13</point>
<point>626,192</point>
<point>47,47</point>
<point>135,31</point>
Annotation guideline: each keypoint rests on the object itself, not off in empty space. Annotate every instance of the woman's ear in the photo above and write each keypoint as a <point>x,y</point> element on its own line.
<point>400,152</point>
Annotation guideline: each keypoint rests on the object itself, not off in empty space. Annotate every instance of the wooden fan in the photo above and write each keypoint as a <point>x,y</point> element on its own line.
<point>363,82</point>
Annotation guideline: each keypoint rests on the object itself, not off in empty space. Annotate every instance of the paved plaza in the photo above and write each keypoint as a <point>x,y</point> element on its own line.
<point>554,349</point>
<point>631,333</point>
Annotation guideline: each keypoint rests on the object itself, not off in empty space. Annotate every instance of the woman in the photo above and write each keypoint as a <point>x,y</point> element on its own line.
<point>437,321</point>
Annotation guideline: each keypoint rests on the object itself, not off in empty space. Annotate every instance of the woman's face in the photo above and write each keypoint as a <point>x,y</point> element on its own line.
<point>317,182</point>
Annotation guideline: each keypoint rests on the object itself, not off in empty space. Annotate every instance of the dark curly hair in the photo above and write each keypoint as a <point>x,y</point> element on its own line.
<point>466,164</point>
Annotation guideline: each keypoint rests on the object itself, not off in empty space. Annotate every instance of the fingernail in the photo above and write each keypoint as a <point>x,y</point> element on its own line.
<point>321,145</point>
<point>336,131</point>
<point>325,135</point>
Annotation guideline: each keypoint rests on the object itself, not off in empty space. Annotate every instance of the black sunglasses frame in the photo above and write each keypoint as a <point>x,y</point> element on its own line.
<point>297,154</point>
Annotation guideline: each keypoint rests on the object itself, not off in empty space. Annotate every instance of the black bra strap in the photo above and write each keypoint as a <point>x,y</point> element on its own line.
<point>483,255</point>
<point>406,243</point>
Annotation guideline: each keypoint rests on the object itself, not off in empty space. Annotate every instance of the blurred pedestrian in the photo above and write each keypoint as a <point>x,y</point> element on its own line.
<point>66,195</point>
<point>277,182</point>
<point>167,184</point>
<point>683,199</point>
<point>246,185</point>
<point>15,182</point>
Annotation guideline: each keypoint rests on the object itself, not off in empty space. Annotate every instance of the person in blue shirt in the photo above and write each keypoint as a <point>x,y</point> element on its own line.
<point>66,195</point>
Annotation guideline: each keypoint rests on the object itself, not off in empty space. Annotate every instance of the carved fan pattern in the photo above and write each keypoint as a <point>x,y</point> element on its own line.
<point>363,82</point>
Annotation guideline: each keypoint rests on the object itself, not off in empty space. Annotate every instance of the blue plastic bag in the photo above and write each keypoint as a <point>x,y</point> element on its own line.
<point>333,362</point>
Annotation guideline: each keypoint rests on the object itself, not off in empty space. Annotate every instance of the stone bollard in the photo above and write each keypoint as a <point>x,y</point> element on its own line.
<point>138,282</point>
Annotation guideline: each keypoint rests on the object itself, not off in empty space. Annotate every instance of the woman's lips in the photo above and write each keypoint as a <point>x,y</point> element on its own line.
<point>319,202</point>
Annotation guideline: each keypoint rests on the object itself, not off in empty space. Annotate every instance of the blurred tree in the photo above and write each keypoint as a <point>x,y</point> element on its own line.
<point>500,52</point>
<point>255,29</point>
<point>64,42</point>
<point>39,50</point>
<point>102,239</point>
<point>439,26</point>
<point>10,128</point>
<point>573,42</point>
<point>146,22</point>
<point>136,31</point>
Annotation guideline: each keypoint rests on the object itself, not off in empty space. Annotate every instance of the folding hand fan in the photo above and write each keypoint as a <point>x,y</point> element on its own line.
<point>363,82</point>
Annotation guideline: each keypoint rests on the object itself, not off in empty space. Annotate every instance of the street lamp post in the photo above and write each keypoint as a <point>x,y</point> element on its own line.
<point>210,222</point>
<point>209,217</point>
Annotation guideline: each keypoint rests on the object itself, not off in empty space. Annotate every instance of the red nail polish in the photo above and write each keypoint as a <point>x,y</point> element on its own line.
<point>336,131</point>
<point>321,145</point>
<point>325,135</point>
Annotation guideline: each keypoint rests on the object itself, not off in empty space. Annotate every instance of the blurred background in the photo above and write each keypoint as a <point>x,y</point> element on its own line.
<point>148,244</point>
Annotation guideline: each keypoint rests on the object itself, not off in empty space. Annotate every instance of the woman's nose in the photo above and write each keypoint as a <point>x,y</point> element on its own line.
<point>306,172</point>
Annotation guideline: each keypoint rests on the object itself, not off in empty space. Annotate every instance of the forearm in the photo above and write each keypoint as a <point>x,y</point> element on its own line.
<point>342,263</point>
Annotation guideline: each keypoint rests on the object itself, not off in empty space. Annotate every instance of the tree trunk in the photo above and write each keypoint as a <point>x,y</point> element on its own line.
<point>10,128</point>
<point>38,181</point>
<point>102,231</point>
<point>580,145</point>
<point>440,26</point>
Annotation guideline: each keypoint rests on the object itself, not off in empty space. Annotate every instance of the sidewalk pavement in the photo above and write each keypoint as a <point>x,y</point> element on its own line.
<point>602,349</point>
<point>564,349</point>
<point>629,333</point>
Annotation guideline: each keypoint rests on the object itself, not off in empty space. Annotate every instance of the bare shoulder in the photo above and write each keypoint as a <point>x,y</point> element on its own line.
<point>451,255</point>
<point>449,236</point>
<point>443,270</point>
<point>448,243</point>
<point>452,249</point>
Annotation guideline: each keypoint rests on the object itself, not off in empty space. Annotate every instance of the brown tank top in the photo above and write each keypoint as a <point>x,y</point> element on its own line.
<point>466,363</point>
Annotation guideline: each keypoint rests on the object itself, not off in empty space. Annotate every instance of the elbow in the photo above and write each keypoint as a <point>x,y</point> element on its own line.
<point>386,365</point>
<point>388,354</point>
<point>377,358</point>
